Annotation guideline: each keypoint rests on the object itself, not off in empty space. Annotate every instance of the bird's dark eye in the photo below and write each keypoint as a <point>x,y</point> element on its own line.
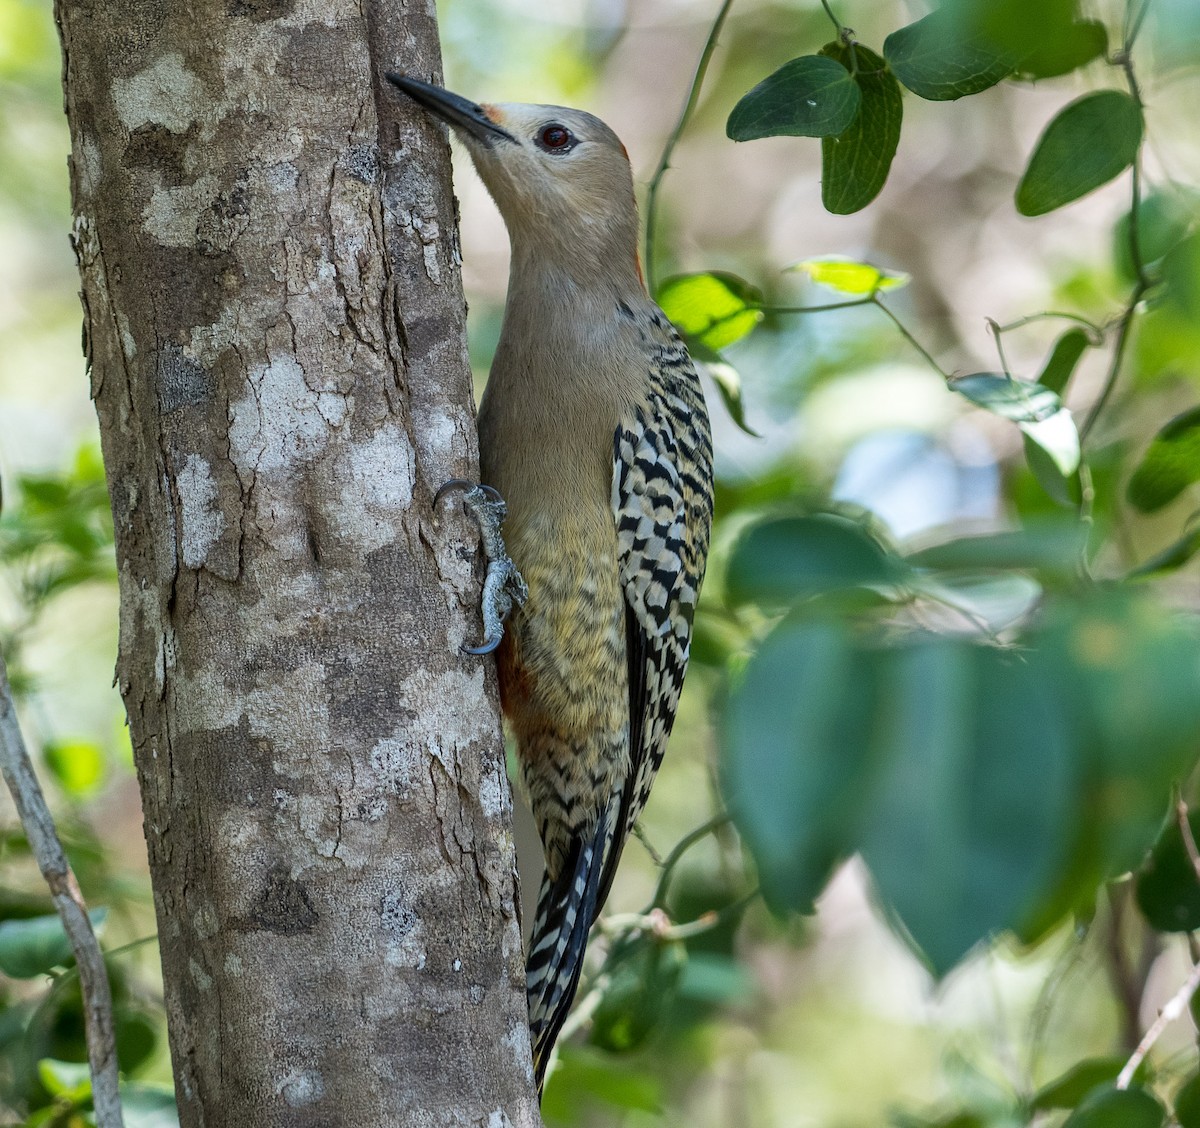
<point>555,138</point>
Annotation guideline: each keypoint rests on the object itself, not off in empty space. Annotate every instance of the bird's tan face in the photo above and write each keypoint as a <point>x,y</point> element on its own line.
<point>560,177</point>
<point>561,166</point>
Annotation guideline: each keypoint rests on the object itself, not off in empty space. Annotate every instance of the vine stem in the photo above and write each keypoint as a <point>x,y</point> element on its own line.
<point>1096,332</point>
<point>816,308</point>
<point>829,12</point>
<point>664,161</point>
<point>870,299</point>
<point>38,825</point>
<point>904,332</point>
<point>1143,283</point>
<point>1135,25</point>
<point>1189,839</point>
<point>998,333</point>
<point>673,858</point>
<point>1114,368</point>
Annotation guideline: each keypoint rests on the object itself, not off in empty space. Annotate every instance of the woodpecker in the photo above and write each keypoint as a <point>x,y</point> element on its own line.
<point>593,430</point>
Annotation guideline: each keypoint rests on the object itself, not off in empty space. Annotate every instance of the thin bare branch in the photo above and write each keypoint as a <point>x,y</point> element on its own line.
<point>1189,839</point>
<point>1175,1008</point>
<point>43,840</point>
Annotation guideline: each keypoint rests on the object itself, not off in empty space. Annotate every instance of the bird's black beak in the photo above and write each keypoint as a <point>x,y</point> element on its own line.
<point>470,117</point>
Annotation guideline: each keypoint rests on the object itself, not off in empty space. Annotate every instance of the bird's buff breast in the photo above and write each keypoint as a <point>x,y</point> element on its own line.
<point>562,661</point>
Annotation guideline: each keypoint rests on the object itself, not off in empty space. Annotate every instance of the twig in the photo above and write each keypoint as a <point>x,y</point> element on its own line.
<point>582,1012</point>
<point>664,161</point>
<point>1114,368</point>
<point>1095,332</point>
<point>829,12</point>
<point>869,300</point>
<point>640,834</point>
<point>904,332</point>
<point>1124,60</point>
<point>1175,1007</point>
<point>998,333</point>
<point>682,847</point>
<point>43,840</point>
<point>1135,25</point>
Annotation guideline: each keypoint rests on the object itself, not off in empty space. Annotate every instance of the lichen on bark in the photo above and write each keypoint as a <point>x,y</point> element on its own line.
<point>274,323</point>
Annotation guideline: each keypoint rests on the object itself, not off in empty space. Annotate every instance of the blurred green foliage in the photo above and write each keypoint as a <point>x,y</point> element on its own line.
<point>56,538</point>
<point>1001,722</point>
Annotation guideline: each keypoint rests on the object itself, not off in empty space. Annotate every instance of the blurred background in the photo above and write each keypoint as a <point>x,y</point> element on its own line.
<point>825,1020</point>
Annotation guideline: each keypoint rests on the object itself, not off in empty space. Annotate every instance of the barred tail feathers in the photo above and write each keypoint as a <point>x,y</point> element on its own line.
<point>566,910</point>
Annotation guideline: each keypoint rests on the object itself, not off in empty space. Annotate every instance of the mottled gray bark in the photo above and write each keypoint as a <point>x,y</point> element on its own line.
<point>274,321</point>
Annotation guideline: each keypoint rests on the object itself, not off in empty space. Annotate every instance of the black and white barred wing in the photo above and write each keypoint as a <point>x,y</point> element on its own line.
<point>662,504</point>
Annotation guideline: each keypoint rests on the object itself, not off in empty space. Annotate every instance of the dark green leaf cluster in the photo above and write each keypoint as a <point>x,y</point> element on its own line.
<point>43,1051</point>
<point>992,776</point>
<point>850,96</point>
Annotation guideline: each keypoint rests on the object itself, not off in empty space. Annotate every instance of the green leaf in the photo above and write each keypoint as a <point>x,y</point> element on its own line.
<point>729,384</point>
<point>813,96</point>
<point>633,1005</point>
<point>1073,47</point>
<point>714,308</point>
<point>1069,1089</point>
<point>137,1038</point>
<point>32,947</point>
<point>1164,219</point>
<point>148,1106</point>
<point>70,1080</point>
<point>1168,889</point>
<point>1017,400</point>
<point>1059,367</point>
<point>1057,437</point>
<point>849,277</point>
<point>795,756</point>
<point>1128,671</point>
<point>1091,141</point>
<point>1170,464</point>
<point>611,1078</point>
<point>969,818</point>
<point>1175,555</point>
<point>77,765</point>
<point>1049,475</point>
<point>785,559</point>
<point>1109,1107</point>
<point>1181,273</point>
<point>855,164</point>
<point>709,977</point>
<point>1052,547</point>
<point>936,61</point>
<point>1187,1103</point>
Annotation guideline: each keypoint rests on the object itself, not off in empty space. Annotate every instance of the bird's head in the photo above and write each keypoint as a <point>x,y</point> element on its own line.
<point>560,177</point>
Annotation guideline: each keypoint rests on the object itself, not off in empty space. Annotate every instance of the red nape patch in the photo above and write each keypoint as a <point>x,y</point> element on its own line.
<point>624,151</point>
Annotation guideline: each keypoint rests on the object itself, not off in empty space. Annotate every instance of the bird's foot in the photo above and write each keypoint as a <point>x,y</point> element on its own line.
<point>502,586</point>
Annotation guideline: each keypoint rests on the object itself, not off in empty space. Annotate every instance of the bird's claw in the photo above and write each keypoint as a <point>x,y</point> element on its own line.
<point>502,586</point>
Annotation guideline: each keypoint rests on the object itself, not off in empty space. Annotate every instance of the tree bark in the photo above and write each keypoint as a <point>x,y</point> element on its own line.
<point>274,324</point>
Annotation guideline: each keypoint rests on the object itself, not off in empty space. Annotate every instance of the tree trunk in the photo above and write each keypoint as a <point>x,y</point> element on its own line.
<point>274,322</point>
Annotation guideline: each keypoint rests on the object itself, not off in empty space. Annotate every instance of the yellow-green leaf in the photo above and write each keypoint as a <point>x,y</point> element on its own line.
<point>713,308</point>
<point>77,765</point>
<point>850,277</point>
